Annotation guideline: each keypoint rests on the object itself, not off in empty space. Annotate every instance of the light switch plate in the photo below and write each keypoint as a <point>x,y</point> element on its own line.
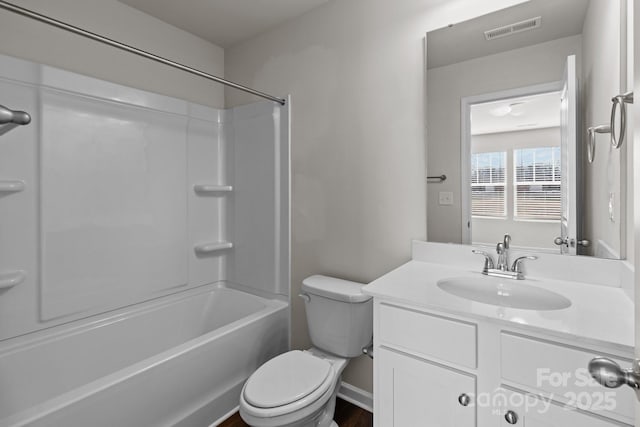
<point>446,198</point>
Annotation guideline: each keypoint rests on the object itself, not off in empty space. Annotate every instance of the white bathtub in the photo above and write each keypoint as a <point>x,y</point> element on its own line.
<point>179,360</point>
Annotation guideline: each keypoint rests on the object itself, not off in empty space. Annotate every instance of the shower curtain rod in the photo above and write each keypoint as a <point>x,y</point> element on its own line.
<point>93,36</point>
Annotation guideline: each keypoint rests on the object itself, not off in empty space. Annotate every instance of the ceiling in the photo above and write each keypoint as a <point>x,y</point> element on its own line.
<point>224,22</point>
<point>465,40</point>
<point>516,114</point>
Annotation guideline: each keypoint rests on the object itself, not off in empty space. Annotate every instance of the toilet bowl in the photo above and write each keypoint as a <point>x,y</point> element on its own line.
<point>299,388</point>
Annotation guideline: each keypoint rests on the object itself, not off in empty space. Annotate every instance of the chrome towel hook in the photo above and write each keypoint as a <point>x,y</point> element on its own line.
<point>437,179</point>
<point>621,101</point>
<point>591,141</point>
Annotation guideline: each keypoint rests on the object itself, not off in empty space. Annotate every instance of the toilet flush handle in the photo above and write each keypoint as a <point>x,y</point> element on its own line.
<point>305,297</point>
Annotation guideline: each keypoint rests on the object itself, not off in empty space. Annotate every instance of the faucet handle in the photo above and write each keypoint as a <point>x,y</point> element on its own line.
<point>488,259</point>
<point>507,241</point>
<point>518,262</point>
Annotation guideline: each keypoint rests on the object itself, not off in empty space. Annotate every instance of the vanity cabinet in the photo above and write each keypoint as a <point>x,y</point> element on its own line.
<point>416,392</point>
<point>530,411</point>
<point>560,370</point>
<point>442,370</point>
<point>450,341</point>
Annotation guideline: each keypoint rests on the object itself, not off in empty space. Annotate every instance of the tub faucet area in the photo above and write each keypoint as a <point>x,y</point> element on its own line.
<point>169,284</point>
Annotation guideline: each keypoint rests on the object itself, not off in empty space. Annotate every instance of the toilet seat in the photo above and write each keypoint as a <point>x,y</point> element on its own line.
<point>301,408</point>
<point>286,379</point>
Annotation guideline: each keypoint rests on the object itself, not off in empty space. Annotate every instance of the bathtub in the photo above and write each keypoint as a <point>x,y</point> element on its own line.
<point>176,361</point>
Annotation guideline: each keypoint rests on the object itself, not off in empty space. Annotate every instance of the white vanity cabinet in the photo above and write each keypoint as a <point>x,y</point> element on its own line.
<point>441,370</point>
<point>416,392</point>
<point>531,411</point>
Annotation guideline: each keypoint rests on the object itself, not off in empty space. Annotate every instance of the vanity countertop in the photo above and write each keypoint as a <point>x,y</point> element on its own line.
<point>600,315</point>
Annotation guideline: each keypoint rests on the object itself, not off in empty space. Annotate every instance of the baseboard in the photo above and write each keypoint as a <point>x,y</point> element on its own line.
<point>359,397</point>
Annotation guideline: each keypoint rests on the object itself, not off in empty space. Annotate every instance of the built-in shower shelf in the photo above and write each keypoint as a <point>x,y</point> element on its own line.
<point>11,279</point>
<point>209,248</point>
<point>212,189</point>
<point>11,186</point>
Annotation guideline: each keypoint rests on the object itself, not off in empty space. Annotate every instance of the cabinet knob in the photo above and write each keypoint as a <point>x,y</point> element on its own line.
<point>464,399</point>
<point>511,417</point>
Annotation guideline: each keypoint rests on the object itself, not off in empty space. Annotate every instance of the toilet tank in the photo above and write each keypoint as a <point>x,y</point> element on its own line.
<point>339,315</point>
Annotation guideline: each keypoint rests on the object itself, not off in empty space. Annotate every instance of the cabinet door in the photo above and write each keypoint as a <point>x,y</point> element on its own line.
<point>412,392</point>
<point>531,411</point>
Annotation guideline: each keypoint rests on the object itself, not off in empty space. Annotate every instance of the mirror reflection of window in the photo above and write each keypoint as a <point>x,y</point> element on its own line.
<point>537,194</point>
<point>516,170</point>
<point>488,185</point>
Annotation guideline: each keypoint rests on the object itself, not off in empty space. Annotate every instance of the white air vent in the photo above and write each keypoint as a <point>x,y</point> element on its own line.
<point>518,27</point>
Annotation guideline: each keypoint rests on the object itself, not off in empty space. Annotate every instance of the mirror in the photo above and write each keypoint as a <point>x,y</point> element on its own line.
<point>510,98</point>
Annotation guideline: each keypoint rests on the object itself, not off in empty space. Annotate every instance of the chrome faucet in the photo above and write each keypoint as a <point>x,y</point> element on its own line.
<point>502,249</point>
<point>502,267</point>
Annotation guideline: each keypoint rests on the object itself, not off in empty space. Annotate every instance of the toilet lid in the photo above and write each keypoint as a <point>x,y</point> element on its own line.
<point>286,379</point>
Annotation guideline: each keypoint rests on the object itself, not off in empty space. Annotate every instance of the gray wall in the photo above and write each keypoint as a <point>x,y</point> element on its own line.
<point>38,42</point>
<point>602,80</point>
<point>355,70</point>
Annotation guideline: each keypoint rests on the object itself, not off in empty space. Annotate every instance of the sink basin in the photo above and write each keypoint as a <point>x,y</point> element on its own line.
<point>504,293</point>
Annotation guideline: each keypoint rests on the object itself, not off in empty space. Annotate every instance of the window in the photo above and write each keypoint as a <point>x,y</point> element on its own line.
<point>488,184</point>
<point>537,183</point>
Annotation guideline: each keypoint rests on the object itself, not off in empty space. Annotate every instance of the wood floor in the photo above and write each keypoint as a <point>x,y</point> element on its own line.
<point>347,415</point>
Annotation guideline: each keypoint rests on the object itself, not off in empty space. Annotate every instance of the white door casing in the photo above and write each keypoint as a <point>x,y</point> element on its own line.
<point>634,138</point>
<point>568,150</point>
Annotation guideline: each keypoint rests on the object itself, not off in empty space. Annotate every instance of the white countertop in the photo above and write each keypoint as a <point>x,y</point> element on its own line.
<point>600,315</point>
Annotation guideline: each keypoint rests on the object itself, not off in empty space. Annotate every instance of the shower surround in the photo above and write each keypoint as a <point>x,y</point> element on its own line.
<point>146,227</point>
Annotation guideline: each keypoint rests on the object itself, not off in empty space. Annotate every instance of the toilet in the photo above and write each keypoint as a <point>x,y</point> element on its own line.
<point>299,388</point>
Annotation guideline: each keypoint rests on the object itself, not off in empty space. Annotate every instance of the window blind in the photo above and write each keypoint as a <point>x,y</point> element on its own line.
<point>537,183</point>
<point>488,183</point>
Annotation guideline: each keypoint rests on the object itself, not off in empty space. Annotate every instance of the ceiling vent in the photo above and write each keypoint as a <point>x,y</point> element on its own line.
<point>509,30</point>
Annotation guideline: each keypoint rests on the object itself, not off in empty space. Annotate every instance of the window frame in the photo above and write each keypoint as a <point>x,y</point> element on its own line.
<point>510,174</point>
